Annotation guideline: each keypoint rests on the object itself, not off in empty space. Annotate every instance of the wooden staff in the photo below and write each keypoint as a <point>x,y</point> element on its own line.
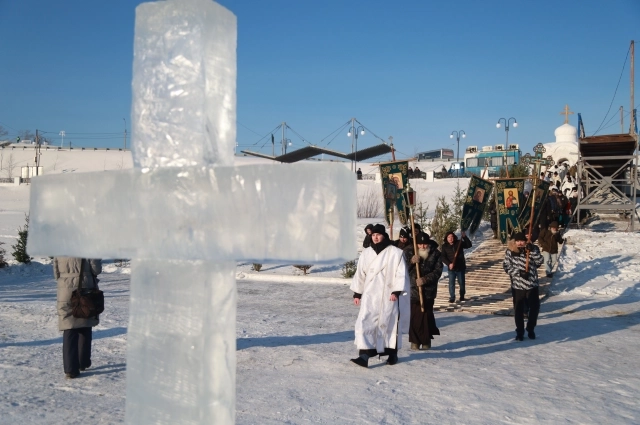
<point>533,208</point>
<point>455,256</point>
<point>391,223</point>
<point>415,252</point>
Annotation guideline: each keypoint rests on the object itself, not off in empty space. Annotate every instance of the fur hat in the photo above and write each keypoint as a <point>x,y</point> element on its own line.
<point>519,237</point>
<point>553,224</point>
<point>378,228</point>
<point>405,232</point>
<point>422,238</point>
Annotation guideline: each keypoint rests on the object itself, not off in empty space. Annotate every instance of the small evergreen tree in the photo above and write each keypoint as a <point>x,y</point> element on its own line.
<point>3,263</point>
<point>257,267</point>
<point>349,269</point>
<point>20,248</point>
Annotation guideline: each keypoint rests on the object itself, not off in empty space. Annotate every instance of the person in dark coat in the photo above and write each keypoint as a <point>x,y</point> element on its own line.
<point>366,243</point>
<point>456,264</point>
<point>493,212</point>
<point>549,240</point>
<point>359,174</point>
<point>423,324</point>
<point>524,283</point>
<point>70,273</point>
<point>404,239</point>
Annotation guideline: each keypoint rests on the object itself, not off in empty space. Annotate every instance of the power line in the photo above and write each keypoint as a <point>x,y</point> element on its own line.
<point>615,92</point>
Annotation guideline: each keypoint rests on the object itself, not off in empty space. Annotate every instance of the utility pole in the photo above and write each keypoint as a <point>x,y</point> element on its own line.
<point>632,130</point>
<point>125,133</point>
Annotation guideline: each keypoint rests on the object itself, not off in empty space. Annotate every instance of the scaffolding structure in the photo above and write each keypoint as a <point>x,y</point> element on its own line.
<point>608,175</point>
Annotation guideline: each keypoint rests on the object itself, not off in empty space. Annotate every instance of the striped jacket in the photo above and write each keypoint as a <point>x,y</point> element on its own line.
<point>514,263</point>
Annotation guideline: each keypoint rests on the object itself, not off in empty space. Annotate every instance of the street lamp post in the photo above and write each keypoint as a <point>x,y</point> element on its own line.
<point>458,135</point>
<point>62,133</point>
<point>506,130</point>
<point>506,127</point>
<point>353,133</point>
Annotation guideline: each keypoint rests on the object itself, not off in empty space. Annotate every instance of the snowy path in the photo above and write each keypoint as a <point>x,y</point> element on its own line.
<point>295,339</point>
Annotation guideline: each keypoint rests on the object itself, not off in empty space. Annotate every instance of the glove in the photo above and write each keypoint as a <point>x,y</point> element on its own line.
<point>529,246</point>
<point>415,259</point>
<point>421,281</point>
<point>524,275</point>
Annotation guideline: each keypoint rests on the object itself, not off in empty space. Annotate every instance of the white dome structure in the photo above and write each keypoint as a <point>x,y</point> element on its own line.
<point>565,148</point>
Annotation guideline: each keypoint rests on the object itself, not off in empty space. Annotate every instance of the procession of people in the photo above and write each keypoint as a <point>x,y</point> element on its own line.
<point>396,281</point>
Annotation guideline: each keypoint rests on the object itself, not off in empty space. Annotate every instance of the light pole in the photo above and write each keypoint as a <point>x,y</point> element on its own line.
<point>125,133</point>
<point>62,133</point>
<point>506,127</point>
<point>458,134</point>
<point>506,130</point>
<point>287,142</point>
<point>353,133</point>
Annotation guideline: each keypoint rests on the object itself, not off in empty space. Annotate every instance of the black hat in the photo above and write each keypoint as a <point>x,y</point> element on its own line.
<point>553,224</point>
<point>519,237</point>
<point>405,232</point>
<point>378,228</point>
<point>422,238</point>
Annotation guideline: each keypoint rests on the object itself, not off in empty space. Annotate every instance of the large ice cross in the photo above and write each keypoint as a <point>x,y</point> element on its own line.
<point>186,222</point>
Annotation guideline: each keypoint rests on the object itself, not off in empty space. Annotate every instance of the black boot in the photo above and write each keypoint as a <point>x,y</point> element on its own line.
<point>361,360</point>
<point>393,358</point>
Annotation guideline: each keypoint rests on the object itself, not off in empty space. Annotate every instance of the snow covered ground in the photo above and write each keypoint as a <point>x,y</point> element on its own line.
<point>295,339</point>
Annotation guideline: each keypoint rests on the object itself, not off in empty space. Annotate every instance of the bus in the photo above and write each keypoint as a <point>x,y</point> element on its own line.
<point>493,158</point>
<point>446,154</point>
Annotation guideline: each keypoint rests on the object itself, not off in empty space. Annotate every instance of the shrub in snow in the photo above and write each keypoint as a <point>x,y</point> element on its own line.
<point>369,206</point>
<point>304,268</point>
<point>349,269</point>
<point>20,248</point>
<point>257,267</point>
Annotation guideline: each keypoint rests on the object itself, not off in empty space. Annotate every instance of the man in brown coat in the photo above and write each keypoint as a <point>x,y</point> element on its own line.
<point>70,273</point>
<point>549,240</point>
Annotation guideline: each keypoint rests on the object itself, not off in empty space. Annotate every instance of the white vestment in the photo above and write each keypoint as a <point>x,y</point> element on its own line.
<point>381,322</point>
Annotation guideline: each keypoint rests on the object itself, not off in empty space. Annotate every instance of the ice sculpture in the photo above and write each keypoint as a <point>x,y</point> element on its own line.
<point>186,215</point>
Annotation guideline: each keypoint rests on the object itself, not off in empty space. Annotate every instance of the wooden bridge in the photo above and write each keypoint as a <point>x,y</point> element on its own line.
<point>487,285</point>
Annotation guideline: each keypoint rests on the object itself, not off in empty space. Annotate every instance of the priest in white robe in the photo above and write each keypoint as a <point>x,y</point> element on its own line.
<point>381,290</point>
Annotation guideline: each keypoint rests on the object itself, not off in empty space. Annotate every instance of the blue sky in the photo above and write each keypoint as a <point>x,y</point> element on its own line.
<point>414,70</point>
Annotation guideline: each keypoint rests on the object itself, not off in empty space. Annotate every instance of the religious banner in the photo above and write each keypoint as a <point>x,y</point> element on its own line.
<point>394,178</point>
<point>541,193</point>
<point>475,204</point>
<point>508,198</point>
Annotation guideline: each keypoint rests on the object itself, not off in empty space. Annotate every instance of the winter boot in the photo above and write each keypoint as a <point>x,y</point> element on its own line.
<point>393,358</point>
<point>362,360</point>
<point>532,335</point>
<point>426,346</point>
<point>414,346</point>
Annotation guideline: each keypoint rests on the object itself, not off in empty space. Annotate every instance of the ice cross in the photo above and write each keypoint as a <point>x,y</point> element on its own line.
<point>186,222</point>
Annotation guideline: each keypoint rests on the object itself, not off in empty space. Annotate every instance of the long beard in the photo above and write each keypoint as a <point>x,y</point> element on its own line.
<point>423,253</point>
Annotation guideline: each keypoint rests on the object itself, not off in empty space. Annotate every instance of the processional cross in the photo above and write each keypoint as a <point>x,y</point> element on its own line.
<point>538,161</point>
<point>185,215</point>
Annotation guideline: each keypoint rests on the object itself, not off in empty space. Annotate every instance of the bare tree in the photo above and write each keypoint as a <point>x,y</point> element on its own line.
<point>26,135</point>
<point>10,166</point>
<point>3,132</point>
<point>370,205</point>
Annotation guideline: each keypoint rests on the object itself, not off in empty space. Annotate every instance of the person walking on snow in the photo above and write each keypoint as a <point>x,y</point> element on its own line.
<point>69,273</point>
<point>456,263</point>
<point>381,290</point>
<point>549,240</point>
<point>367,236</point>
<point>524,283</point>
<point>428,263</point>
